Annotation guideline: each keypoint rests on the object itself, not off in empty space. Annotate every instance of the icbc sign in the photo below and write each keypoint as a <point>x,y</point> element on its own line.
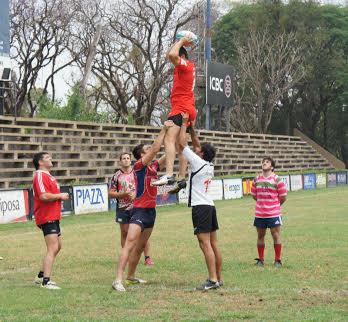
<point>216,84</point>
<point>219,84</point>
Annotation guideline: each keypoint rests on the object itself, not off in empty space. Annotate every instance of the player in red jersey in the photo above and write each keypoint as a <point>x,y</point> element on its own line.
<point>269,191</point>
<point>182,101</point>
<point>144,209</point>
<point>47,211</point>
<point>122,188</point>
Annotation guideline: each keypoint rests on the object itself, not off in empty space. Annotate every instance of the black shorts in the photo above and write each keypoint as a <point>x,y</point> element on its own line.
<point>268,222</point>
<point>50,227</point>
<point>123,216</point>
<point>177,120</point>
<point>144,217</point>
<point>204,219</point>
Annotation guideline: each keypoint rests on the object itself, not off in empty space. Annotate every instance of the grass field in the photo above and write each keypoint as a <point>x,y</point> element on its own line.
<point>311,286</point>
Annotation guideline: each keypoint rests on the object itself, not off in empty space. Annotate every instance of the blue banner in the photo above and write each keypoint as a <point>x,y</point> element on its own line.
<point>4,28</point>
<point>112,203</point>
<point>331,179</point>
<point>166,199</point>
<point>309,181</point>
<point>341,178</point>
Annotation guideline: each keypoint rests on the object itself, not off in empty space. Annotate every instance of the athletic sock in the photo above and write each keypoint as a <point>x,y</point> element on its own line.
<point>261,251</point>
<point>45,280</point>
<point>41,274</point>
<point>277,252</point>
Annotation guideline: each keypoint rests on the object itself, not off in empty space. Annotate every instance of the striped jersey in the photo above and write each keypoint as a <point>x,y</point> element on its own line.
<point>201,173</point>
<point>268,192</point>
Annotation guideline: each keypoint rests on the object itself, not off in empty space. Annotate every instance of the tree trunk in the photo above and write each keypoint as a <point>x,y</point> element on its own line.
<point>91,54</point>
<point>325,128</point>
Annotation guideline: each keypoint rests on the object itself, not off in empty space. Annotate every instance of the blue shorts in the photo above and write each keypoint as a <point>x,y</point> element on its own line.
<point>123,216</point>
<point>144,217</point>
<point>268,222</point>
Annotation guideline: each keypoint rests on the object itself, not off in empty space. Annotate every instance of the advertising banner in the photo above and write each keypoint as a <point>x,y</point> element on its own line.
<point>112,204</point>
<point>309,181</point>
<point>215,189</point>
<point>31,204</point>
<point>166,199</point>
<point>331,179</point>
<point>183,195</point>
<point>321,180</point>
<point>14,206</point>
<point>67,205</point>
<point>247,183</point>
<point>296,182</point>
<point>233,188</point>
<point>219,84</point>
<point>91,198</point>
<point>163,197</point>
<point>286,180</point>
<point>341,178</point>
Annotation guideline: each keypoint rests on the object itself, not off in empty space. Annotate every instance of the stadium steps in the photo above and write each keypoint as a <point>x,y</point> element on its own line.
<point>85,151</point>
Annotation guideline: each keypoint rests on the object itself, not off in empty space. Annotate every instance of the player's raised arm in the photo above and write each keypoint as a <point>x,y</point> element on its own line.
<point>194,138</point>
<point>173,53</point>
<point>156,145</point>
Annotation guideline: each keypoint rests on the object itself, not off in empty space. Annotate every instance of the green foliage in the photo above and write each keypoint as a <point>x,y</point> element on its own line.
<point>316,103</point>
<point>76,109</point>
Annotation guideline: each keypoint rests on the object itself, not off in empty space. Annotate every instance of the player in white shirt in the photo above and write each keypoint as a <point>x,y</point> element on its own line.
<point>204,218</point>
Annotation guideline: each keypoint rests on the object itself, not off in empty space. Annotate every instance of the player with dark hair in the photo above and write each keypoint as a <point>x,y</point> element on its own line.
<point>143,216</point>
<point>204,217</point>
<point>47,211</point>
<point>269,191</point>
<point>182,101</point>
<point>122,188</point>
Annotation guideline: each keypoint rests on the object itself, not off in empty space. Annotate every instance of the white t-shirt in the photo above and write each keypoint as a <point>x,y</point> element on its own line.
<point>201,173</point>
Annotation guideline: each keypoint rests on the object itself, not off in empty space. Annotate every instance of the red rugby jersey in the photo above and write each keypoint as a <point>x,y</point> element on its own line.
<point>45,211</point>
<point>182,96</point>
<point>146,193</point>
<point>268,192</point>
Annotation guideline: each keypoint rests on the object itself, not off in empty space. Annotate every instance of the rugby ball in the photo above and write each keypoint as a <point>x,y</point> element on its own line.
<point>188,34</point>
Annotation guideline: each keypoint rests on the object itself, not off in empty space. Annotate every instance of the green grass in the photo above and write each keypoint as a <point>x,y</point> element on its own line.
<point>312,285</point>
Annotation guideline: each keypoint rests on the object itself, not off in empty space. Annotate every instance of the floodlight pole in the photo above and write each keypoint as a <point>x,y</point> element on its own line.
<point>208,58</point>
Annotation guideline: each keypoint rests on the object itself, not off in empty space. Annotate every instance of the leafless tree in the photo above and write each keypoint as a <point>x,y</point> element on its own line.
<point>130,71</point>
<point>39,35</point>
<point>269,65</point>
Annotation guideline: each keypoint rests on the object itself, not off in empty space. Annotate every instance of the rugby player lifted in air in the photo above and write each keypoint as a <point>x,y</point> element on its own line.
<point>182,101</point>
